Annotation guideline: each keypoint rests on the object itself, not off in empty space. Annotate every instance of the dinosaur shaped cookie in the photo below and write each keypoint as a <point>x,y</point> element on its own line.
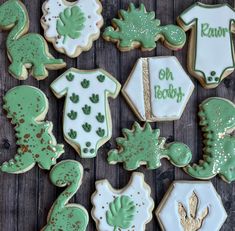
<point>143,146</point>
<point>25,51</point>
<point>217,118</point>
<point>27,107</point>
<point>62,215</point>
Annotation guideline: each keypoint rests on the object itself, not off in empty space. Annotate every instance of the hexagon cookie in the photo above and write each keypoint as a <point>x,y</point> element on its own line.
<point>158,89</point>
<point>191,206</point>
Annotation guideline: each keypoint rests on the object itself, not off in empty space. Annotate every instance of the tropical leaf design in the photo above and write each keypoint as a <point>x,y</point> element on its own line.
<point>70,23</point>
<point>121,212</point>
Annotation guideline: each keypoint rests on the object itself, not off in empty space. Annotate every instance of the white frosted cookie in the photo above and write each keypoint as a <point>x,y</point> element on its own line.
<point>72,26</point>
<point>191,206</point>
<point>211,51</point>
<point>124,209</point>
<point>158,89</point>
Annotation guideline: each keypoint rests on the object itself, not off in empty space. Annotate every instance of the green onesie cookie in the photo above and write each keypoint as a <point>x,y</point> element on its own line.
<point>27,107</point>
<point>64,216</point>
<point>143,146</point>
<point>25,50</point>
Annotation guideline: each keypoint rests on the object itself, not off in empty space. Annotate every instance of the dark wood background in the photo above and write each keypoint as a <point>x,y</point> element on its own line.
<point>26,199</point>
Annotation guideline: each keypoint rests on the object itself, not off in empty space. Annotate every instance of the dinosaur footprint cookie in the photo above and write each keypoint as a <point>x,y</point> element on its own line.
<point>217,118</point>
<point>25,51</point>
<point>62,215</point>
<point>125,209</point>
<point>72,26</point>
<point>144,146</point>
<point>27,107</point>
<point>138,28</point>
<point>87,120</point>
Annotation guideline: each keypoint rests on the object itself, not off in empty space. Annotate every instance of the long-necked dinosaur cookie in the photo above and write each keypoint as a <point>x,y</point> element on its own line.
<point>25,51</point>
<point>158,89</point>
<point>87,119</point>
<point>62,215</point>
<point>191,206</point>
<point>211,51</point>
<point>144,146</point>
<point>138,28</point>
<point>27,107</point>
<point>124,209</point>
<point>217,118</point>
<point>72,26</point>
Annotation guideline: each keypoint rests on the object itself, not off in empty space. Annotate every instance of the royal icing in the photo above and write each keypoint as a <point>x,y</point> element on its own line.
<point>144,146</point>
<point>191,206</point>
<point>65,216</point>
<point>125,209</point>
<point>27,107</point>
<point>25,51</point>
<point>138,28</point>
<point>72,26</point>
<point>217,118</point>
<point>158,89</point>
<point>87,119</point>
<point>211,54</point>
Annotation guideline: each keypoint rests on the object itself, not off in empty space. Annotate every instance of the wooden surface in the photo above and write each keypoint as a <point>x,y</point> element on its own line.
<point>26,199</point>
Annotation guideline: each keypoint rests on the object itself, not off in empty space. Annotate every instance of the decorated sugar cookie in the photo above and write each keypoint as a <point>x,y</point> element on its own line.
<point>25,51</point>
<point>138,28</point>
<point>191,206</point>
<point>124,209</point>
<point>158,89</point>
<point>217,118</point>
<point>72,26</point>
<point>27,107</point>
<point>144,146</point>
<point>87,118</point>
<point>211,52</point>
<point>62,215</point>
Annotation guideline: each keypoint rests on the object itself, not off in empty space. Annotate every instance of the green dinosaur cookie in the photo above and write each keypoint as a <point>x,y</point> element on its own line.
<point>25,50</point>
<point>64,216</point>
<point>143,146</point>
<point>217,118</point>
<point>27,107</point>
<point>138,28</point>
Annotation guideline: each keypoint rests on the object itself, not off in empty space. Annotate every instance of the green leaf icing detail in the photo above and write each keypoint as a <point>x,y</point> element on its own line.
<point>100,117</point>
<point>217,118</point>
<point>86,127</point>
<point>72,134</point>
<point>70,77</point>
<point>72,115</point>
<point>62,215</point>
<point>74,98</point>
<point>144,146</point>
<point>85,83</point>
<point>70,23</point>
<point>100,132</point>
<point>94,98</point>
<point>137,26</point>
<point>25,50</point>
<point>121,213</point>
<point>36,143</point>
<point>86,110</point>
<point>101,78</point>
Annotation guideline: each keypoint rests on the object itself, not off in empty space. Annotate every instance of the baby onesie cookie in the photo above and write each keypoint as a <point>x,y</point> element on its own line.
<point>191,206</point>
<point>158,89</point>
<point>27,107</point>
<point>144,146</point>
<point>72,26</point>
<point>87,120</point>
<point>217,118</point>
<point>138,28</point>
<point>211,51</point>
<point>62,215</point>
<point>124,209</point>
<point>25,51</point>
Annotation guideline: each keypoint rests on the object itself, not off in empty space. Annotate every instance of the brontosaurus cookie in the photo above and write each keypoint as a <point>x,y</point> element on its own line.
<point>87,120</point>
<point>27,107</point>
<point>138,28</point>
<point>62,215</point>
<point>25,51</point>
<point>144,146</point>
<point>72,26</point>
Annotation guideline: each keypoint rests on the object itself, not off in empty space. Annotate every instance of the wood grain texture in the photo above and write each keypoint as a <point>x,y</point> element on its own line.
<point>26,199</point>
